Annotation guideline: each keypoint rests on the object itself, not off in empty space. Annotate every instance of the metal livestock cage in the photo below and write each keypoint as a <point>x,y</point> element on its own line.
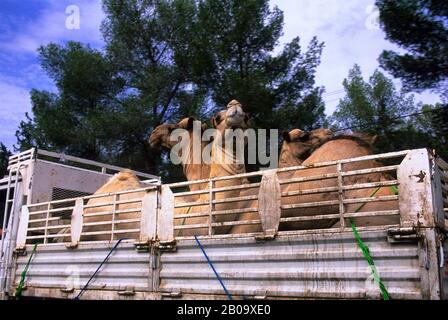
<point>40,176</point>
<point>283,233</point>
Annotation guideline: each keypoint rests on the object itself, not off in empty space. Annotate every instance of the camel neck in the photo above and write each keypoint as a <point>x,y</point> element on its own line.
<point>224,162</point>
<point>287,159</point>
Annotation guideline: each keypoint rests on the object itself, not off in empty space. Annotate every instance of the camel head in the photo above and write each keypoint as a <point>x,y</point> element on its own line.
<point>320,135</point>
<point>298,143</point>
<point>161,134</point>
<point>233,117</point>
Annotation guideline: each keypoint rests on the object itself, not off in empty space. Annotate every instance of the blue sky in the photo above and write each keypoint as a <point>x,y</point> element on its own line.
<point>345,26</point>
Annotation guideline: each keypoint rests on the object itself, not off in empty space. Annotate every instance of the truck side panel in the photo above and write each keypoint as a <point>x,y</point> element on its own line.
<point>306,266</point>
<point>56,267</point>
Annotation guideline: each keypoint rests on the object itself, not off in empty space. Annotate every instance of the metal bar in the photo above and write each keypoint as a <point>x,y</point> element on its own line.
<point>236,223</point>
<point>92,163</point>
<point>215,213</point>
<point>309,178</point>
<point>341,196</point>
<point>62,226</point>
<point>311,204</point>
<point>233,211</point>
<point>49,236</point>
<point>334,162</point>
<point>371,185</point>
<point>109,232</point>
<point>51,210</point>
<point>107,213</point>
<point>346,215</point>
<point>210,208</point>
<point>118,202</point>
<point>46,223</point>
<point>370,170</point>
<point>372,199</point>
<point>103,223</point>
<point>191,204</point>
<point>113,217</point>
<point>93,196</point>
<point>236,199</point>
<point>215,190</point>
<point>309,191</point>
<point>43,220</point>
<point>192,215</point>
<point>192,226</point>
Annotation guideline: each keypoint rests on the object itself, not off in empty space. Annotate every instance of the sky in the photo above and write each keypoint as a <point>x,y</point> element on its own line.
<point>348,28</point>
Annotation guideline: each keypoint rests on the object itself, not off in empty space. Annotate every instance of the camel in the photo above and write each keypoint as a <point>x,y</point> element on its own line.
<point>338,148</point>
<point>295,149</point>
<point>192,171</point>
<point>233,117</point>
<point>122,181</point>
<point>297,145</point>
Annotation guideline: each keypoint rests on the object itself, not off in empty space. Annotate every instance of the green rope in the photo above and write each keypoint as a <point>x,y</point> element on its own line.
<point>365,249</point>
<point>23,275</point>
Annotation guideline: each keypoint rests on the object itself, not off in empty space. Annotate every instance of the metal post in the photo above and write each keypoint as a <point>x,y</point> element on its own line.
<point>113,217</point>
<point>341,195</point>
<point>210,207</point>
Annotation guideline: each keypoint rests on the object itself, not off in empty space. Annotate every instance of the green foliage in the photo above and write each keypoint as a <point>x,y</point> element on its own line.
<point>377,108</point>
<point>420,27</point>
<point>4,155</point>
<point>236,43</point>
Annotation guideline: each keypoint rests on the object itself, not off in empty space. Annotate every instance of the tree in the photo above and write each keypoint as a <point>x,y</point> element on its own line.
<point>433,122</point>
<point>420,27</point>
<point>79,119</point>
<point>4,155</point>
<point>165,60</point>
<point>236,41</point>
<point>377,108</point>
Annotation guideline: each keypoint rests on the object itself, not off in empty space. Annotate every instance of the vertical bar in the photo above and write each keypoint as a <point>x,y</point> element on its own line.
<point>341,195</point>
<point>46,223</point>
<point>5,217</point>
<point>210,207</point>
<point>23,227</point>
<point>113,217</point>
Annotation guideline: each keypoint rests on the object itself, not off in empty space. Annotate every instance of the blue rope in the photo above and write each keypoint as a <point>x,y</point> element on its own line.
<point>229,296</point>
<point>98,269</point>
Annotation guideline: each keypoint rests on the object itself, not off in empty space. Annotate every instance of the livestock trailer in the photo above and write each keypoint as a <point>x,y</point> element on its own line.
<point>47,252</point>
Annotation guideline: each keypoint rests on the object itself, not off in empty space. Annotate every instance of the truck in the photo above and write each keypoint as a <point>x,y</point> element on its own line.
<point>46,251</point>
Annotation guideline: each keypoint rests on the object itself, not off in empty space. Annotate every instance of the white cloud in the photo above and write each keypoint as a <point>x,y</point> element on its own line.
<point>348,40</point>
<point>51,27</point>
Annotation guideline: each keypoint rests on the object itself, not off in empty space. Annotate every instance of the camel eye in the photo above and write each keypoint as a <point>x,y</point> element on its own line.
<point>218,119</point>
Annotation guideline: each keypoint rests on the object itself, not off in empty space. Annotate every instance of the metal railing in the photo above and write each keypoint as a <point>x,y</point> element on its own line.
<point>325,197</point>
<point>99,217</point>
<point>206,213</point>
<point>443,169</point>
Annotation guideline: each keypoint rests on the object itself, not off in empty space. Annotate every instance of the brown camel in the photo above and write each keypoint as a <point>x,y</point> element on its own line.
<point>192,171</point>
<point>122,181</point>
<point>338,148</point>
<point>223,163</point>
<point>297,145</point>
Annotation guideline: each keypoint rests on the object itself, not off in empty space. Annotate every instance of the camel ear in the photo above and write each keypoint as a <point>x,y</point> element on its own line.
<point>286,136</point>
